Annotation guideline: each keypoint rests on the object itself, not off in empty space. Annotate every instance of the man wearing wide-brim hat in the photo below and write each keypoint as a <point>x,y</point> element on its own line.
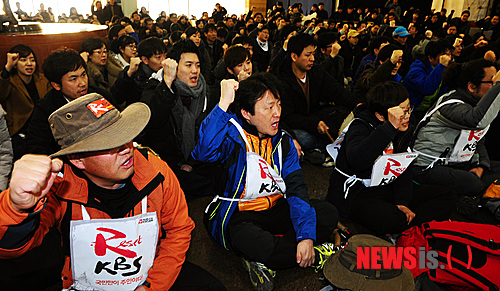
<point>122,215</point>
<point>342,270</point>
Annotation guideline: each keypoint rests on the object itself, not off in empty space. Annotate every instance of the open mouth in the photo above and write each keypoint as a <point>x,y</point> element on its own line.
<point>194,79</point>
<point>30,70</point>
<point>274,125</point>
<point>128,163</point>
<point>82,92</point>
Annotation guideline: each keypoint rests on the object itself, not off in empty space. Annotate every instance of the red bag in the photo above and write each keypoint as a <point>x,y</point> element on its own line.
<point>468,252</point>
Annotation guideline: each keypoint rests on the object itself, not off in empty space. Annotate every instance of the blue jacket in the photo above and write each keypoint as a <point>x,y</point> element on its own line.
<point>221,142</point>
<point>423,80</point>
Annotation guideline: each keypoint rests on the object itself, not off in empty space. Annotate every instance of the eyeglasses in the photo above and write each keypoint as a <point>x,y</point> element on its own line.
<point>131,46</point>
<point>408,111</point>
<point>99,52</point>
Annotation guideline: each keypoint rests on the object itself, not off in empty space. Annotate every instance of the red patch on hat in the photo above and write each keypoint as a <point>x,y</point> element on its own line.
<point>100,107</point>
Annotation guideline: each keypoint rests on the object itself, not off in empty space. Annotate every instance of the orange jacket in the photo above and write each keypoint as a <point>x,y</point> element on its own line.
<point>167,199</point>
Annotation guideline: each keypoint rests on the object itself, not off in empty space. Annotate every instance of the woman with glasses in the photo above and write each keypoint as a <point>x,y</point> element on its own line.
<point>126,49</point>
<point>372,181</point>
<point>101,69</point>
<point>451,137</point>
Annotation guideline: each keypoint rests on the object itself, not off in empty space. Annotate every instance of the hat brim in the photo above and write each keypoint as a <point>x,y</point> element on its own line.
<point>404,34</point>
<point>342,278</point>
<point>131,122</point>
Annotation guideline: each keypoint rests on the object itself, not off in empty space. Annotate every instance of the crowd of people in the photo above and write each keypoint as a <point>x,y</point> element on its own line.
<point>108,142</point>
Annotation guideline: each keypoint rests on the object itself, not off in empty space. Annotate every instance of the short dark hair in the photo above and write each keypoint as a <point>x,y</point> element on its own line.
<point>436,47</point>
<point>286,30</point>
<point>181,47</point>
<point>93,43</point>
<point>465,12</point>
<point>386,52</point>
<point>125,40</point>
<point>151,46</point>
<point>263,27</point>
<point>60,62</point>
<point>24,51</point>
<point>190,31</point>
<point>175,36</point>
<point>458,75</point>
<point>325,39</point>
<point>126,20</point>
<point>376,42</point>
<point>175,27</point>
<point>222,33</point>
<point>114,30</point>
<point>235,55</point>
<point>299,42</point>
<point>241,39</point>
<point>253,89</point>
<point>208,27</point>
<point>384,96</point>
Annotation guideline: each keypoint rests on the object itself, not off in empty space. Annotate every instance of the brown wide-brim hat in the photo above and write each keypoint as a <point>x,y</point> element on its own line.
<point>90,123</point>
<point>342,277</point>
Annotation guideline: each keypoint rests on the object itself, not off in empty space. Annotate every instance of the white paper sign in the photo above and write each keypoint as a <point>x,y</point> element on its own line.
<point>388,167</point>
<point>113,254</point>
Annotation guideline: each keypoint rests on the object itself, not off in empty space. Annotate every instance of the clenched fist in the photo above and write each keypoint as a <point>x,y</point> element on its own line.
<point>32,177</point>
<point>12,59</point>
<point>169,71</point>
<point>134,66</point>
<point>227,92</point>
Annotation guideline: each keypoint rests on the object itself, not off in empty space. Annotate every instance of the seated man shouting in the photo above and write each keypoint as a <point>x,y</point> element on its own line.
<point>122,215</point>
<point>264,213</point>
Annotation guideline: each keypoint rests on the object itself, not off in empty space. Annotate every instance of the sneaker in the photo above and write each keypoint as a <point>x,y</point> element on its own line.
<point>328,162</point>
<point>262,278</point>
<point>323,252</point>
<point>315,157</point>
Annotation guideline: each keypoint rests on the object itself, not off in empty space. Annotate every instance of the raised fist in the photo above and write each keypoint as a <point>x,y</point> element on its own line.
<point>12,59</point>
<point>134,66</point>
<point>169,71</point>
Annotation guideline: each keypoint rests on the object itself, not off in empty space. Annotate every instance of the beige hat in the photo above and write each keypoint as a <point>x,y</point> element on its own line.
<point>90,123</point>
<point>342,271</point>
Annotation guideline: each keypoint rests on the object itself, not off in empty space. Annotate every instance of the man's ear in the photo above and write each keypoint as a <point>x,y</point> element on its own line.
<point>379,116</point>
<point>145,60</point>
<point>323,51</point>
<point>77,161</point>
<point>471,87</point>
<point>294,57</point>
<point>56,86</point>
<point>230,71</point>
<point>245,114</point>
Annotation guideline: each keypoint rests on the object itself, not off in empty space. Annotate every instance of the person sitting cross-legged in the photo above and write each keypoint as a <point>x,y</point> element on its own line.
<point>264,213</point>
